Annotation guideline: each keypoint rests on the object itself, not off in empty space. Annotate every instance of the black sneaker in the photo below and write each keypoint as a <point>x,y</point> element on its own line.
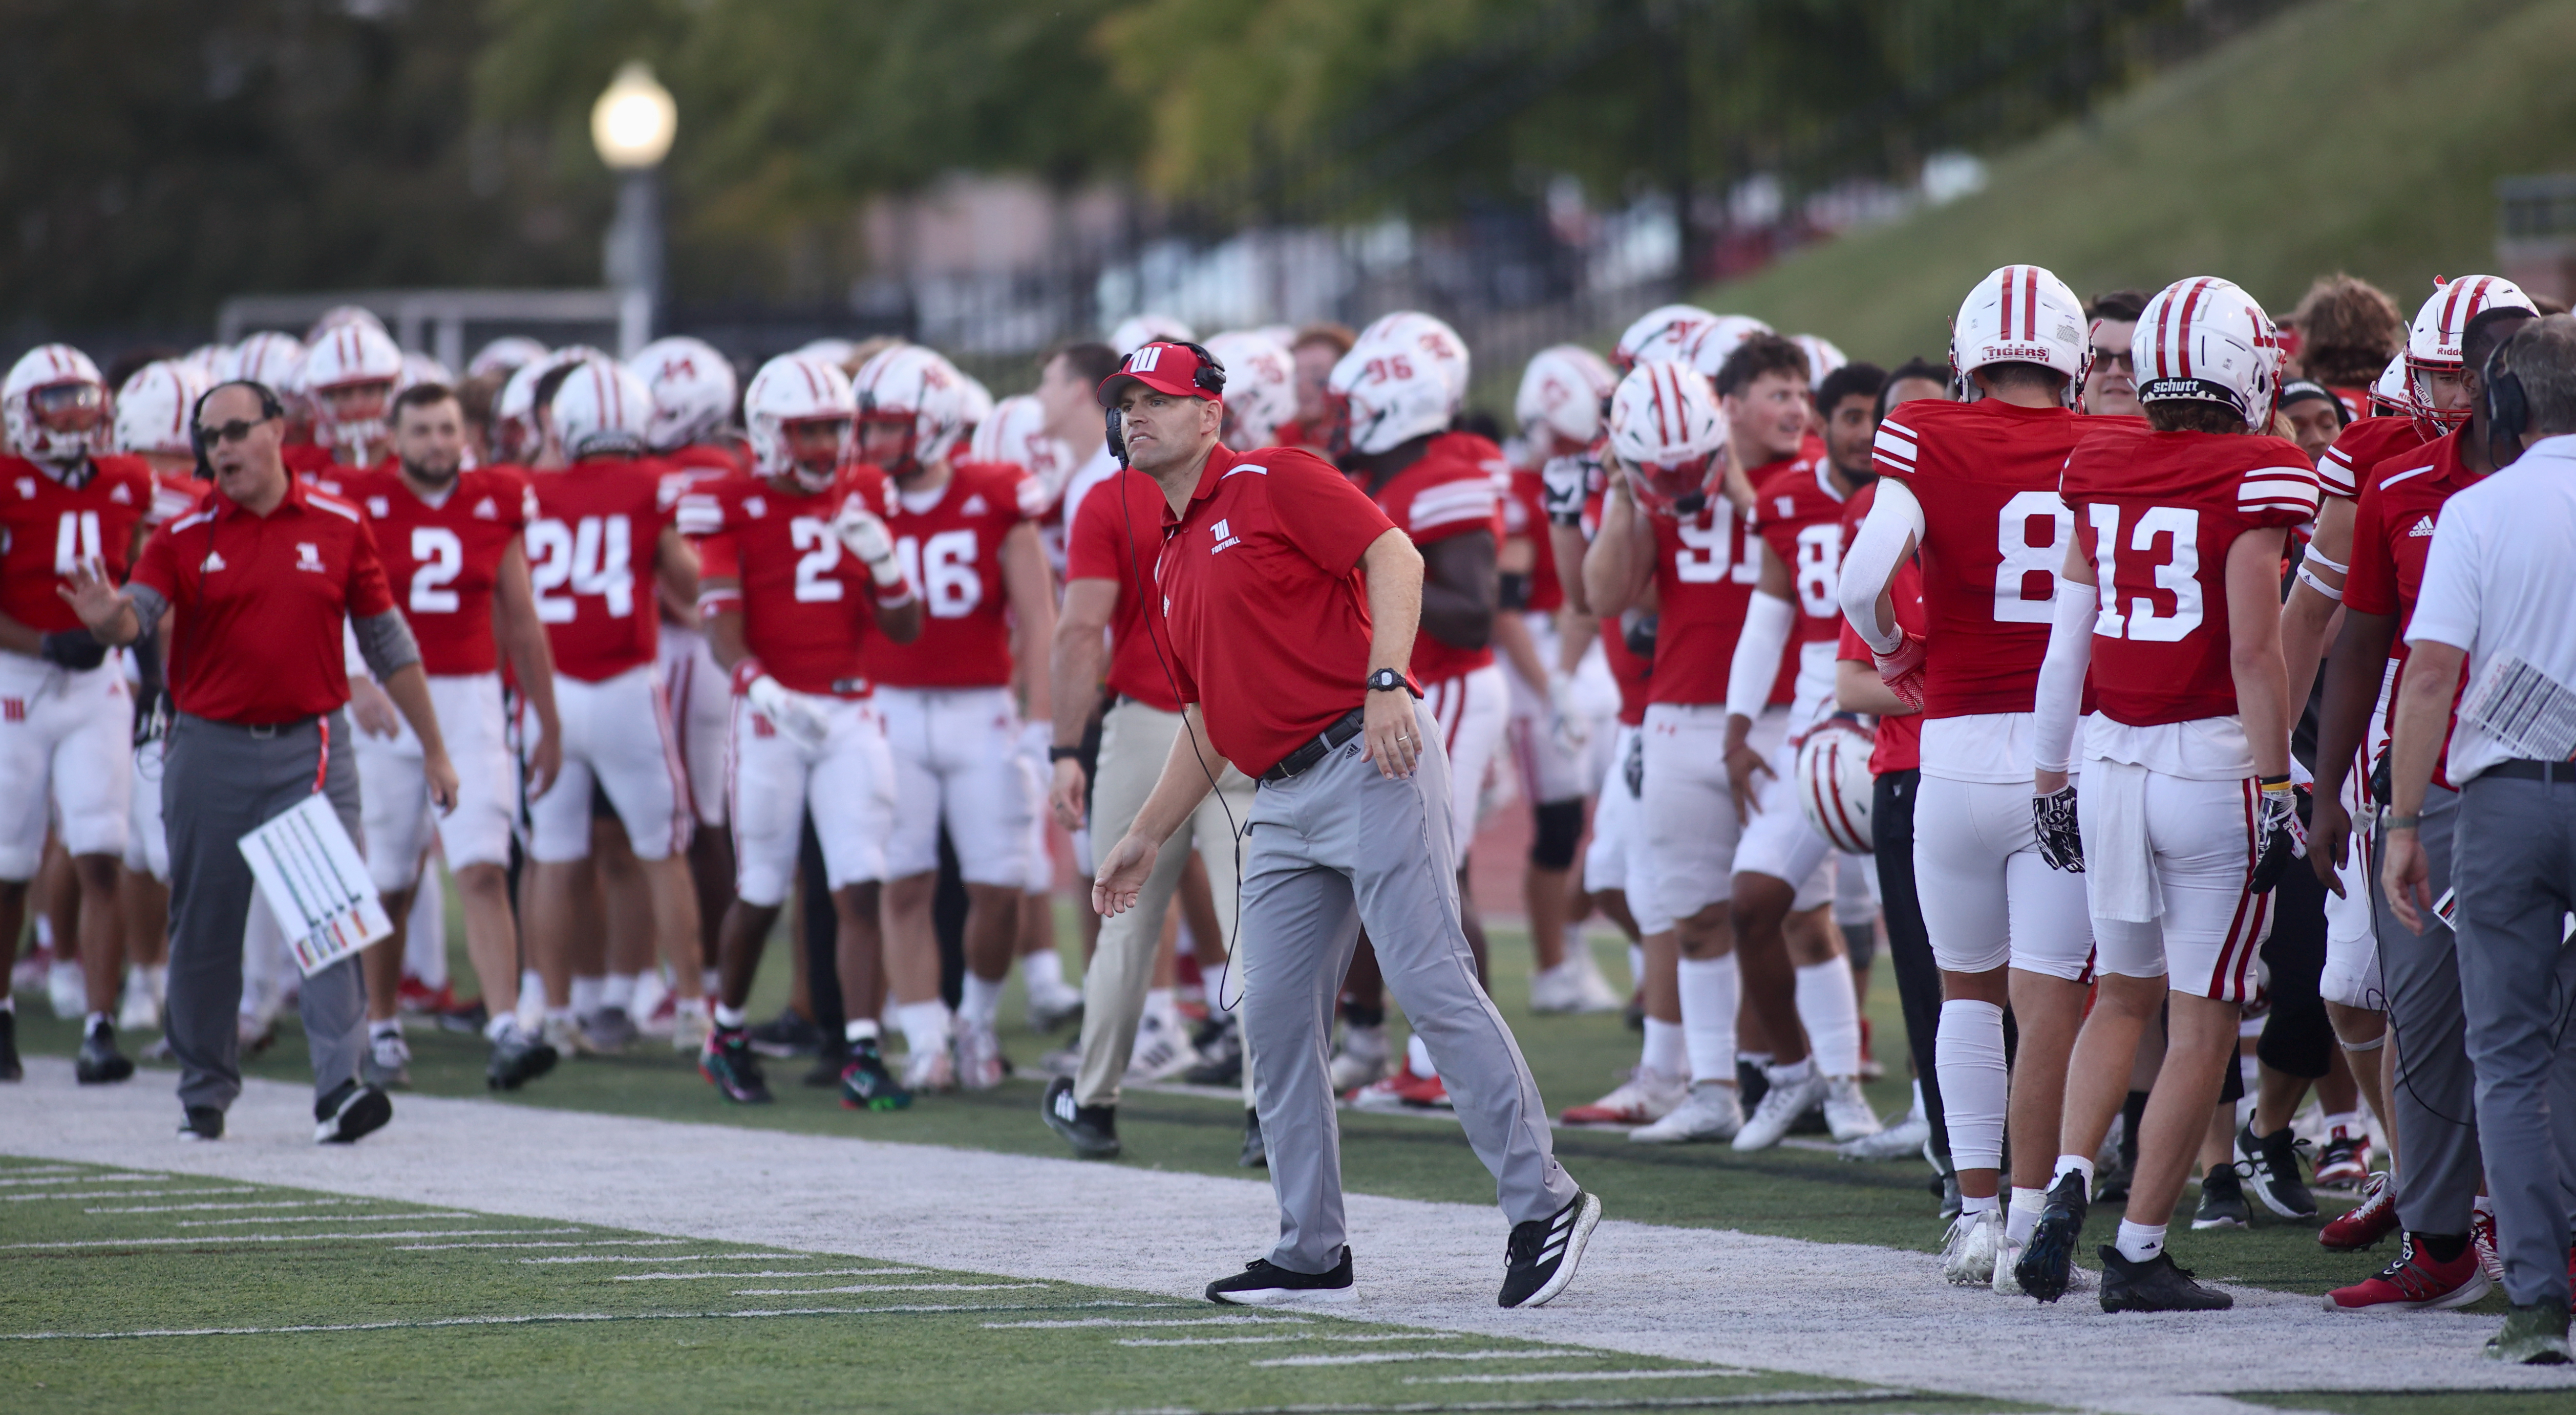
<point>2111,1186</point>
<point>1540,1258</point>
<point>1261,1284</point>
<point>2272,1161</point>
<point>729,1065</point>
<point>100,1062</point>
<point>829,1059</point>
<point>2222,1200</point>
<point>1751,1083</point>
<point>202,1122</point>
<point>2156,1285</point>
<point>866,1084</point>
<point>2048,1258</point>
<point>10,1070</point>
<point>350,1113</point>
<point>1219,1044</point>
<point>518,1057</point>
<point>1092,1130</point>
<point>789,1033</point>
<point>1256,1151</point>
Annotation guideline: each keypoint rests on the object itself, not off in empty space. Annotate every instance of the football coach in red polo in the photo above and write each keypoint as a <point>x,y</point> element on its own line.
<point>1289,608</point>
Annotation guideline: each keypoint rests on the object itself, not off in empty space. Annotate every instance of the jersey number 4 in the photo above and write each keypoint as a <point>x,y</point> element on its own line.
<point>593,556</point>
<point>942,571</point>
<point>2178,574</point>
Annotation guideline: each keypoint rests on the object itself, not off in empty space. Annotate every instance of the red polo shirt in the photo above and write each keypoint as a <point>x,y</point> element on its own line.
<point>259,602</point>
<point>1264,602</point>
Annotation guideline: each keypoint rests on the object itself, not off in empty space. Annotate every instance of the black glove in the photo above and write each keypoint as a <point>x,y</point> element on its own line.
<point>1567,483</point>
<point>74,648</point>
<point>2283,834</point>
<point>1639,632</point>
<point>2061,838</point>
<point>1633,770</point>
<point>151,715</point>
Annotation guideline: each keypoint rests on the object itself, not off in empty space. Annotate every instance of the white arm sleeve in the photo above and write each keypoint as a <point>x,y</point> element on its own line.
<point>2061,675</point>
<point>1894,518</point>
<point>1767,622</point>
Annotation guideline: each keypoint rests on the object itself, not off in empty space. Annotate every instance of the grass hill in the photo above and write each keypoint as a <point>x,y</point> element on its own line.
<point>2360,135</point>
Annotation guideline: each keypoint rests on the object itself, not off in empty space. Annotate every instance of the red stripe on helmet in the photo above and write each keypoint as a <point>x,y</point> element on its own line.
<point>2004,325</point>
<point>2030,303</point>
<point>2190,303</point>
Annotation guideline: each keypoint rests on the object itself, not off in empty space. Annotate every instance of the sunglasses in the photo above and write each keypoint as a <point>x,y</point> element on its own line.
<point>239,429</point>
<point>2121,359</point>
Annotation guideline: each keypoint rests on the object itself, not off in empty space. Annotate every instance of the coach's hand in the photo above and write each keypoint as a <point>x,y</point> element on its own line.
<point>1393,733</point>
<point>1122,875</point>
<point>2403,874</point>
<point>373,710</point>
<point>1066,794</point>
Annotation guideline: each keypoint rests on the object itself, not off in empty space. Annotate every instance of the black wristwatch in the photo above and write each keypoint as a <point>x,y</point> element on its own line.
<point>1386,680</point>
<point>1063,754</point>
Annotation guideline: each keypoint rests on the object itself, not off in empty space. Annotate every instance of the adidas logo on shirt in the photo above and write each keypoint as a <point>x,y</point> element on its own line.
<point>214,562</point>
<point>974,505</point>
<point>122,495</point>
<point>2423,526</point>
<point>484,510</point>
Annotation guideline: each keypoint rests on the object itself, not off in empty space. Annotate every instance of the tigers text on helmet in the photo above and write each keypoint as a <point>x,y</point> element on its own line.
<point>153,408</point>
<point>693,390</point>
<point>2433,340</point>
<point>58,409</point>
<point>1666,431</point>
<point>2203,338</point>
<point>1260,386</point>
<point>910,384</point>
<point>1562,394</point>
<point>1015,432</point>
<point>349,356</point>
<point>602,409</point>
<point>796,388</point>
<point>1403,378</point>
<point>2020,314</point>
<point>1660,334</point>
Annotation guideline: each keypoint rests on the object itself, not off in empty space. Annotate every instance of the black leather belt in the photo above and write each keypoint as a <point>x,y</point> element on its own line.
<point>2528,770</point>
<point>1344,728</point>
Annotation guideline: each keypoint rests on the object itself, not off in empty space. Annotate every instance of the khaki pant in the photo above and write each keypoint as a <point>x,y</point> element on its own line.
<point>1135,740</point>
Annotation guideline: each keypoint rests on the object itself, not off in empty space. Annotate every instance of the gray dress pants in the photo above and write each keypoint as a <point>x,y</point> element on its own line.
<point>1328,851</point>
<point>220,782</point>
<point>2516,873</point>
<point>2435,1091</point>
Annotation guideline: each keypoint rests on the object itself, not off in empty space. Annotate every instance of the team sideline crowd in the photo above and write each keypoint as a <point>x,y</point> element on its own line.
<point>2062,675</point>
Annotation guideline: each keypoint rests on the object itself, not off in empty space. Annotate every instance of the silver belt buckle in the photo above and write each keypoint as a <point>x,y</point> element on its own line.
<point>263,729</point>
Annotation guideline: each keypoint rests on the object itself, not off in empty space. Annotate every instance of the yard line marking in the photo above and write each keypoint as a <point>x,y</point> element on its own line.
<point>257,1204</point>
<point>270,1238</point>
<point>1517,1377</point>
<point>1285,1336</point>
<point>821,1272</point>
<point>88,1179</point>
<point>40,1169</point>
<point>1374,1358</point>
<point>478,1232</point>
<point>548,1317</point>
<point>626,1257</point>
<point>122,1194</point>
<point>881,1287</point>
<point>324,1218</point>
<point>1243,1321</point>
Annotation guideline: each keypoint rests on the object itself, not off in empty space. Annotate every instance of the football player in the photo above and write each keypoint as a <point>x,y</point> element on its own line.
<point>349,373</point>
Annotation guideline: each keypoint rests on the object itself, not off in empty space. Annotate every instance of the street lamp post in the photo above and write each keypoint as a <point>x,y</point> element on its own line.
<point>632,125</point>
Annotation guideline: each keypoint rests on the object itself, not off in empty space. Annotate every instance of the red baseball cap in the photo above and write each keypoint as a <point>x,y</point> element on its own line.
<point>1182,370</point>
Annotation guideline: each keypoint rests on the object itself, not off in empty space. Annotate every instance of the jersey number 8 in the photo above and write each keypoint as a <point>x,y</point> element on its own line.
<point>2026,576</point>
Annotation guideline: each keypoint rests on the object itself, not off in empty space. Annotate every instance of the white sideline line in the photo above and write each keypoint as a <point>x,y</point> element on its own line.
<point>477,1232</point>
<point>882,1287</point>
<point>1518,1377</point>
<point>1286,1336</point>
<point>627,1257</point>
<point>1145,1322</point>
<point>121,1194</point>
<point>819,1272</point>
<point>251,1204</point>
<point>1375,1358</point>
<point>523,1321</point>
<point>88,1179</point>
<point>325,1218</point>
<point>40,1169</point>
<point>270,1238</point>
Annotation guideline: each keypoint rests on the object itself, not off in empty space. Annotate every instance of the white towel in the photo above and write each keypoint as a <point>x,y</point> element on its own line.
<point>2119,864</point>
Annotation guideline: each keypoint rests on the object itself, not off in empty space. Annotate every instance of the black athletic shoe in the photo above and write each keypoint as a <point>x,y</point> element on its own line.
<point>2111,1186</point>
<point>1751,1084</point>
<point>1540,1258</point>
<point>1092,1130</point>
<point>789,1033</point>
<point>100,1062</point>
<point>1262,1285</point>
<point>202,1122</point>
<point>2222,1200</point>
<point>1256,1151</point>
<point>2155,1285</point>
<point>518,1057</point>
<point>350,1113</point>
<point>729,1066</point>
<point>2046,1260</point>
<point>10,1070</point>
<point>867,1085</point>
<point>825,1073</point>
<point>2272,1161</point>
<point>1219,1044</point>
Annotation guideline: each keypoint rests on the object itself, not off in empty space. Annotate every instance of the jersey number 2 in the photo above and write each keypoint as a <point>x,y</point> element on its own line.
<point>820,555</point>
<point>441,556</point>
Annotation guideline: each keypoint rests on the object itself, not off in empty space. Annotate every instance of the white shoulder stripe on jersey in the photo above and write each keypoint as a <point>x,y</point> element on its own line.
<point>1890,424</point>
<point>2409,472</point>
<point>198,519</point>
<point>1468,494</point>
<point>1894,441</point>
<point>334,507</point>
<point>1423,521</point>
<point>2253,489</point>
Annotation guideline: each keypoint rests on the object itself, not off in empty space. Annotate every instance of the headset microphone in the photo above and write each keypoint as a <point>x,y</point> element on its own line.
<point>2508,408</point>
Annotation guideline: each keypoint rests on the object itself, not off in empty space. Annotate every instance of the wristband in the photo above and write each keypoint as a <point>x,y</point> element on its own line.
<point>746,672</point>
<point>902,595</point>
<point>2401,823</point>
<point>2274,783</point>
<point>1063,754</point>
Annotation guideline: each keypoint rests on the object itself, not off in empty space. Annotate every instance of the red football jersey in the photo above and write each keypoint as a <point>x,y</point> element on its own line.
<point>444,560</point>
<point>2156,513</point>
<point>1704,574</point>
<point>952,553</point>
<point>805,599</point>
<point>2345,468</point>
<point>727,460</point>
<point>591,556</point>
<point>1994,535</point>
<point>48,526</point>
<point>2392,529</point>
<point>1449,492</point>
<point>1524,514</point>
<point>1898,745</point>
<point>174,494</point>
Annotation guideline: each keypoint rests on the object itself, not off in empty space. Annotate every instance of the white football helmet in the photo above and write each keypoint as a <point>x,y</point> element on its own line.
<point>2203,338</point>
<point>153,408</point>
<point>794,388</point>
<point>266,358</point>
<point>514,414</point>
<point>505,355</point>
<point>1835,788</point>
<point>1561,396</point>
<point>601,408</point>
<point>2020,314</point>
<point>693,389</point>
<point>1260,386</point>
<point>1719,338</point>
<point>419,368</point>
<point>1666,431</point>
<point>1402,379</point>
<point>342,317</point>
<point>59,380</point>
<point>828,349</point>
<point>2391,394</point>
<point>978,400</point>
<point>1015,432</point>
<point>910,383</point>
<point>1822,357</point>
<point>2433,341</point>
<point>349,355</point>
<point>204,359</point>
<point>1660,334</point>
<point>1137,331</point>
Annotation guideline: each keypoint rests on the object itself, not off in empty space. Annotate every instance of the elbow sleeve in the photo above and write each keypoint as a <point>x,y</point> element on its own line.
<point>385,642</point>
<point>1895,517</point>
<point>2061,676</point>
<point>1767,622</point>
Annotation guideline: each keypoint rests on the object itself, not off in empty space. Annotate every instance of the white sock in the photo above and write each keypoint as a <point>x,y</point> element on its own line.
<point>1636,965</point>
<point>1970,1204</point>
<point>1968,1059</point>
<point>859,1029</point>
<point>587,994</point>
<point>1162,1006</point>
<point>689,1006</point>
<point>980,1001</point>
<point>157,977</point>
<point>2140,1242</point>
<point>1709,988</point>
<point>44,931</point>
<point>1364,1041</point>
<point>1418,1057</point>
<point>2074,1164</point>
<point>502,1024</point>
<point>1578,949</point>
<point>1831,1013</point>
<point>389,1027</point>
<point>925,1026</point>
<point>619,992</point>
<point>9,1003</point>
<point>1792,1074</point>
<point>2023,1216</point>
<point>1043,970</point>
<point>710,980</point>
<point>2349,1123</point>
<point>1664,1053</point>
<point>1224,990</point>
<point>2483,1206</point>
<point>730,1018</point>
<point>532,984</point>
<point>95,1020</point>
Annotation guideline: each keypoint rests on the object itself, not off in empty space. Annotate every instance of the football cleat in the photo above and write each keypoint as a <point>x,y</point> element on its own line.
<point>2415,1282</point>
<point>349,1113</point>
<point>199,1122</point>
<point>10,1067</point>
<point>1542,1254</point>
<point>2272,1162</point>
<point>931,1071</point>
<point>1847,1113</point>
<point>2532,1336</point>
<point>1968,1253</point>
<point>1219,1044</point>
<point>1780,1106</point>
<point>2046,1264</point>
<point>866,1084</point>
<point>2156,1285</point>
<point>1644,1097</point>
<point>1261,1284</point>
<point>980,1066</point>
<point>2365,1223</point>
<point>100,1062</point>
<point>1407,1089</point>
<point>2222,1201</point>
<point>1054,1007</point>
<point>2343,1160</point>
<point>387,1061</point>
<point>1092,1130</point>
<point>730,1065</point>
<point>689,1028</point>
<point>1360,1059</point>
<point>1162,1052</point>
<point>139,1011</point>
<point>1573,986</point>
<point>790,1033</point>
<point>1900,1138</point>
<point>517,1059</point>
<point>1708,1113</point>
<point>607,1031</point>
<point>2482,1241</point>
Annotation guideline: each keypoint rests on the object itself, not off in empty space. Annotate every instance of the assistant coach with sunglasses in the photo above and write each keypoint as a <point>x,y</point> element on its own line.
<point>1289,605</point>
<point>258,581</point>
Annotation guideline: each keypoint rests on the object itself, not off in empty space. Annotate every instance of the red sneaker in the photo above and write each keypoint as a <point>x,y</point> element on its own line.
<point>2415,1283</point>
<point>2365,1223</point>
<point>2344,1159</point>
<point>1405,1090</point>
<point>2482,1241</point>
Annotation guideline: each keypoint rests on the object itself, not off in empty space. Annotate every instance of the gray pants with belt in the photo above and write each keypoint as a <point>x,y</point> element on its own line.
<point>1328,851</point>
<point>2435,1092</point>
<point>2516,875</point>
<point>219,783</point>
